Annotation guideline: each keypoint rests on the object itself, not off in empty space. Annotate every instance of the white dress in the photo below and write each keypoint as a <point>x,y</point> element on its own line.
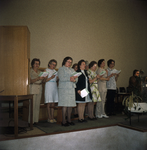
<point>51,91</point>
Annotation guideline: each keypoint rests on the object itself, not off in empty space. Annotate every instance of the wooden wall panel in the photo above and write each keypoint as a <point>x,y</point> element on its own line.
<point>1,62</point>
<point>16,53</point>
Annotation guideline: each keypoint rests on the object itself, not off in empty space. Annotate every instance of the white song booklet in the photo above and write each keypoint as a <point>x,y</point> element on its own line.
<point>76,74</point>
<point>116,71</point>
<point>43,74</point>
<point>55,73</point>
<point>84,93</point>
<point>102,73</point>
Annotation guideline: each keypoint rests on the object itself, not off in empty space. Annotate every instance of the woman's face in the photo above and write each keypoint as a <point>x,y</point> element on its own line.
<point>68,63</point>
<point>76,68</point>
<point>137,74</point>
<point>102,64</point>
<point>112,64</point>
<point>82,66</point>
<point>93,68</point>
<point>86,67</point>
<point>52,65</point>
<point>36,65</point>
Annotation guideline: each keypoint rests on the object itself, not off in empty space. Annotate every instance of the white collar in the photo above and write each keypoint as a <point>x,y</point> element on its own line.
<point>110,69</point>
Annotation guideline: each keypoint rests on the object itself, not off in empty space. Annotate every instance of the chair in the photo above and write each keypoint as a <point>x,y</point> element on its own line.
<point>128,90</point>
<point>122,89</point>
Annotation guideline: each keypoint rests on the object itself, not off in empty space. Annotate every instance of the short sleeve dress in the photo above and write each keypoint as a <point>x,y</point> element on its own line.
<point>35,88</point>
<point>94,86</point>
<point>51,91</point>
<point>102,83</point>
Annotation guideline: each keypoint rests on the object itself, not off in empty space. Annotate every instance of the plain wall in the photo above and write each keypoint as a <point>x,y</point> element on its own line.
<point>83,29</point>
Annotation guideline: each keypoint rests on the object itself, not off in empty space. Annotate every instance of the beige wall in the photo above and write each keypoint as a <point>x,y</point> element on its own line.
<point>83,29</point>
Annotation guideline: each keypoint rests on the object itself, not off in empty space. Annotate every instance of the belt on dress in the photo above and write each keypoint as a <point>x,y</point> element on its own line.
<point>37,83</point>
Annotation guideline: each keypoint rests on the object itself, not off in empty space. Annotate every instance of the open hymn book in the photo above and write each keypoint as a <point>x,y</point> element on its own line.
<point>116,71</point>
<point>102,73</point>
<point>76,74</point>
<point>55,73</point>
<point>43,74</point>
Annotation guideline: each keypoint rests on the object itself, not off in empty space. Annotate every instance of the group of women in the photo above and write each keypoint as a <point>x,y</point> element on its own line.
<point>68,93</point>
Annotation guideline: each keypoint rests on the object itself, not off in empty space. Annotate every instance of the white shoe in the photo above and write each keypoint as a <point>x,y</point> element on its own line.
<point>100,116</point>
<point>54,120</point>
<point>105,116</point>
<point>51,121</point>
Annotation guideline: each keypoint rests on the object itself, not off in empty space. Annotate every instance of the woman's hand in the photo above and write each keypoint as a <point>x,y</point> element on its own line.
<point>111,75</point>
<point>118,74</point>
<point>45,79</point>
<point>36,79</point>
<point>79,92</point>
<point>98,76</point>
<point>53,76</point>
<point>72,79</point>
<point>116,77</point>
<point>40,78</point>
<point>48,79</point>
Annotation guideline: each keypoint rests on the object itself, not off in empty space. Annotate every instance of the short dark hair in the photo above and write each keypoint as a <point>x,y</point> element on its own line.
<point>92,63</point>
<point>80,62</point>
<point>134,72</point>
<point>110,61</point>
<point>74,65</point>
<point>33,61</point>
<point>52,60</point>
<point>100,61</point>
<point>65,60</point>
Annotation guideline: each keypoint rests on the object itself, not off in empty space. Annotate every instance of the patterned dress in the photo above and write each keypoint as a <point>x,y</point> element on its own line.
<point>66,88</point>
<point>94,86</point>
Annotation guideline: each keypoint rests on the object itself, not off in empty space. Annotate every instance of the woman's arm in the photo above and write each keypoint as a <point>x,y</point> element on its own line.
<point>94,79</point>
<point>65,77</point>
<point>79,84</point>
<point>105,79</point>
<point>116,76</point>
<point>36,79</point>
<point>48,79</point>
<point>108,77</point>
<point>90,78</point>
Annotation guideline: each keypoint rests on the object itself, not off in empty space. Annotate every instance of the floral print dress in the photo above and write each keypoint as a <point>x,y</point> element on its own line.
<point>94,86</point>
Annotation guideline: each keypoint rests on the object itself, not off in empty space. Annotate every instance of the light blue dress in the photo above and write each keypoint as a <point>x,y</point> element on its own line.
<point>51,91</point>
<point>66,87</point>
